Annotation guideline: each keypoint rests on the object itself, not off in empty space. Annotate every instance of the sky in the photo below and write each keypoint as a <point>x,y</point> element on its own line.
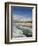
<point>21,13</point>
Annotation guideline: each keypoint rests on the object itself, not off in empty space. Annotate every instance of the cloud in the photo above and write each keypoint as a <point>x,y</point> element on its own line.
<point>21,18</point>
